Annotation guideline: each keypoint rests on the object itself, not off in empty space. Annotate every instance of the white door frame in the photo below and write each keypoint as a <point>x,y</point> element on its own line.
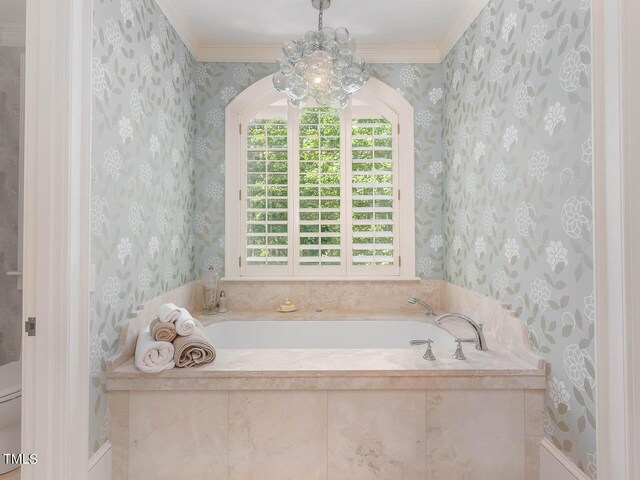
<point>616,49</point>
<point>56,238</point>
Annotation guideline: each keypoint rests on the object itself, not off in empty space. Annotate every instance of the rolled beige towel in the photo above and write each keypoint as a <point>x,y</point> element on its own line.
<point>194,349</point>
<point>162,331</point>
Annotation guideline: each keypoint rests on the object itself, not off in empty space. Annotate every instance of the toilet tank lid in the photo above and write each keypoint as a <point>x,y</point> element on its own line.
<point>10,378</point>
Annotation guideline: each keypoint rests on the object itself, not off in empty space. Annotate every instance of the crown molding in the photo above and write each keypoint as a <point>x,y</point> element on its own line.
<point>399,53</point>
<point>372,53</point>
<point>176,20</point>
<point>12,34</point>
<point>460,25</point>
<point>238,53</point>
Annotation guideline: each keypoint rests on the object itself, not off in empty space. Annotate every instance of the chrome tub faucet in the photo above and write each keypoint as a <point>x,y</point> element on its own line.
<point>414,300</point>
<point>428,355</point>
<point>479,340</point>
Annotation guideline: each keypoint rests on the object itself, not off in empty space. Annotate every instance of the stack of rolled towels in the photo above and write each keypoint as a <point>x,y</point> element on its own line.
<point>174,339</point>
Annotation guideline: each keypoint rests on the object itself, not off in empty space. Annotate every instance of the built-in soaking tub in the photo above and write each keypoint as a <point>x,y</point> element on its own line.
<point>333,334</point>
<point>329,396</point>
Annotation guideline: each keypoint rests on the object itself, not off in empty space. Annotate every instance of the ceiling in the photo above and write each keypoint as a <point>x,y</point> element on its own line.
<point>386,30</point>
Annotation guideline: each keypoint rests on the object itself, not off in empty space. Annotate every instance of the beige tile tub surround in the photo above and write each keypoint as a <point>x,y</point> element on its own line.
<point>533,431</point>
<point>477,435</point>
<point>384,300</point>
<point>333,435</point>
<point>378,434</point>
<point>279,435</point>
<point>348,296</point>
<point>178,428</point>
<point>119,433</point>
<point>333,414</point>
<point>501,327</point>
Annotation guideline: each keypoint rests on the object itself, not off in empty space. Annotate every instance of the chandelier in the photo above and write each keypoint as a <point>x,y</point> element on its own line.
<point>322,66</point>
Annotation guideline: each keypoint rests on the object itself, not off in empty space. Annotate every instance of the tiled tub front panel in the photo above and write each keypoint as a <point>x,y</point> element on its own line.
<point>326,434</point>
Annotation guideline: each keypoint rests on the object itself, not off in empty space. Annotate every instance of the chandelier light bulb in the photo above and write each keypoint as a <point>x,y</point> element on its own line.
<point>321,65</point>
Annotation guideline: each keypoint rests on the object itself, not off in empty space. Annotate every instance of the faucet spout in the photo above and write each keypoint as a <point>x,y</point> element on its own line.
<point>414,300</point>
<point>481,343</point>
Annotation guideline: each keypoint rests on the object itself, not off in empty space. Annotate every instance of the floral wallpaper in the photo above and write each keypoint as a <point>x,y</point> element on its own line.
<point>503,179</point>
<point>136,251</point>
<point>518,216</point>
<point>143,184</point>
<point>219,83</point>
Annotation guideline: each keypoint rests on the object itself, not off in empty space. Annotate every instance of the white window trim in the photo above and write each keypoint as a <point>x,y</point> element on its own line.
<point>249,102</point>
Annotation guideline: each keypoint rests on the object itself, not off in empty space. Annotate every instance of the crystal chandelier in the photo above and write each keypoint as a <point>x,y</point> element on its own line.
<point>321,65</point>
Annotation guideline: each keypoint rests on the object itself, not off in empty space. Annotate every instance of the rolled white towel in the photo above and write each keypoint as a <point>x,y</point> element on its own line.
<point>185,324</point>
<point>169,312</point>
<point>152,356</point>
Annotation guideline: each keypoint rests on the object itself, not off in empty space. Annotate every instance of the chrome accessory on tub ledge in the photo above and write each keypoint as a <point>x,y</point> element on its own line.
<point>459,354</point>
<point>428,355</point>
<point>414,300</point>
<point>479,340</point>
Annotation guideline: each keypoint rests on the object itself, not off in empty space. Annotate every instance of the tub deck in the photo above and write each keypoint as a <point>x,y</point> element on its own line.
<point>341,368</point>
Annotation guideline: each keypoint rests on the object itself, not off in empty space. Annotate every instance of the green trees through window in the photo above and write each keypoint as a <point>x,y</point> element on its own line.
<point>320,187</point>
<point>326,201</point>
<point>372,192</point>
<point>267,192</point>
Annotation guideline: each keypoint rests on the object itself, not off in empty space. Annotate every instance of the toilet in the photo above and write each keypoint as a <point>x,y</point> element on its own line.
<point>10,410</point>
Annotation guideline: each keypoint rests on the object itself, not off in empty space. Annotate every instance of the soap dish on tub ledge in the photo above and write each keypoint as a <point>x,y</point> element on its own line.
<point>287,307</point>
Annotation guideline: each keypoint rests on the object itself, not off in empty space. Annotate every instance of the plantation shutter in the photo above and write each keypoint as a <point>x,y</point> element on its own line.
<point>267,193</point>
<point>320,190</point>
<point>374,193</point>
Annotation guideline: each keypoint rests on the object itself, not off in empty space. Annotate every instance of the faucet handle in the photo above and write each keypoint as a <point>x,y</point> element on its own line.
<point>428,355</point>
<point>459,354</point>
<point>419,342</point>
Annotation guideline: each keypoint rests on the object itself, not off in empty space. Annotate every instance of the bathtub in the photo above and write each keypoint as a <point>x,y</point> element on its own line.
<point>330,397</point>
<point>321,334</point>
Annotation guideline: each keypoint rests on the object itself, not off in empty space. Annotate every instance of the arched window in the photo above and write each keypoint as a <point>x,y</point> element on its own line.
<point>318,193</point>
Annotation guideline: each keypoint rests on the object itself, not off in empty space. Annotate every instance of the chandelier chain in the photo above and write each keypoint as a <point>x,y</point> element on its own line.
<point>320,15</point>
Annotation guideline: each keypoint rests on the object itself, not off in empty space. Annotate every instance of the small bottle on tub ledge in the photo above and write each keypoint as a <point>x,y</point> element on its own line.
<point>222,302</point>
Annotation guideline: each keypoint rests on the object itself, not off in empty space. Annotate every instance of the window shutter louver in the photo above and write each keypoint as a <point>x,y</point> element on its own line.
<point>319,188</point>
<point>267,203</point>
<point>317,191</point>
<point>373,208</point>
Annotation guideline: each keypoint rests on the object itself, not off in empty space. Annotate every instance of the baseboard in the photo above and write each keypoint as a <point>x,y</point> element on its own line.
<point>554,465</point>
<point>100,463</point>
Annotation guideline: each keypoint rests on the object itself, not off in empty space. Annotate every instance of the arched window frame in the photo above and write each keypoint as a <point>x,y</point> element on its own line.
<point>251,101</point>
